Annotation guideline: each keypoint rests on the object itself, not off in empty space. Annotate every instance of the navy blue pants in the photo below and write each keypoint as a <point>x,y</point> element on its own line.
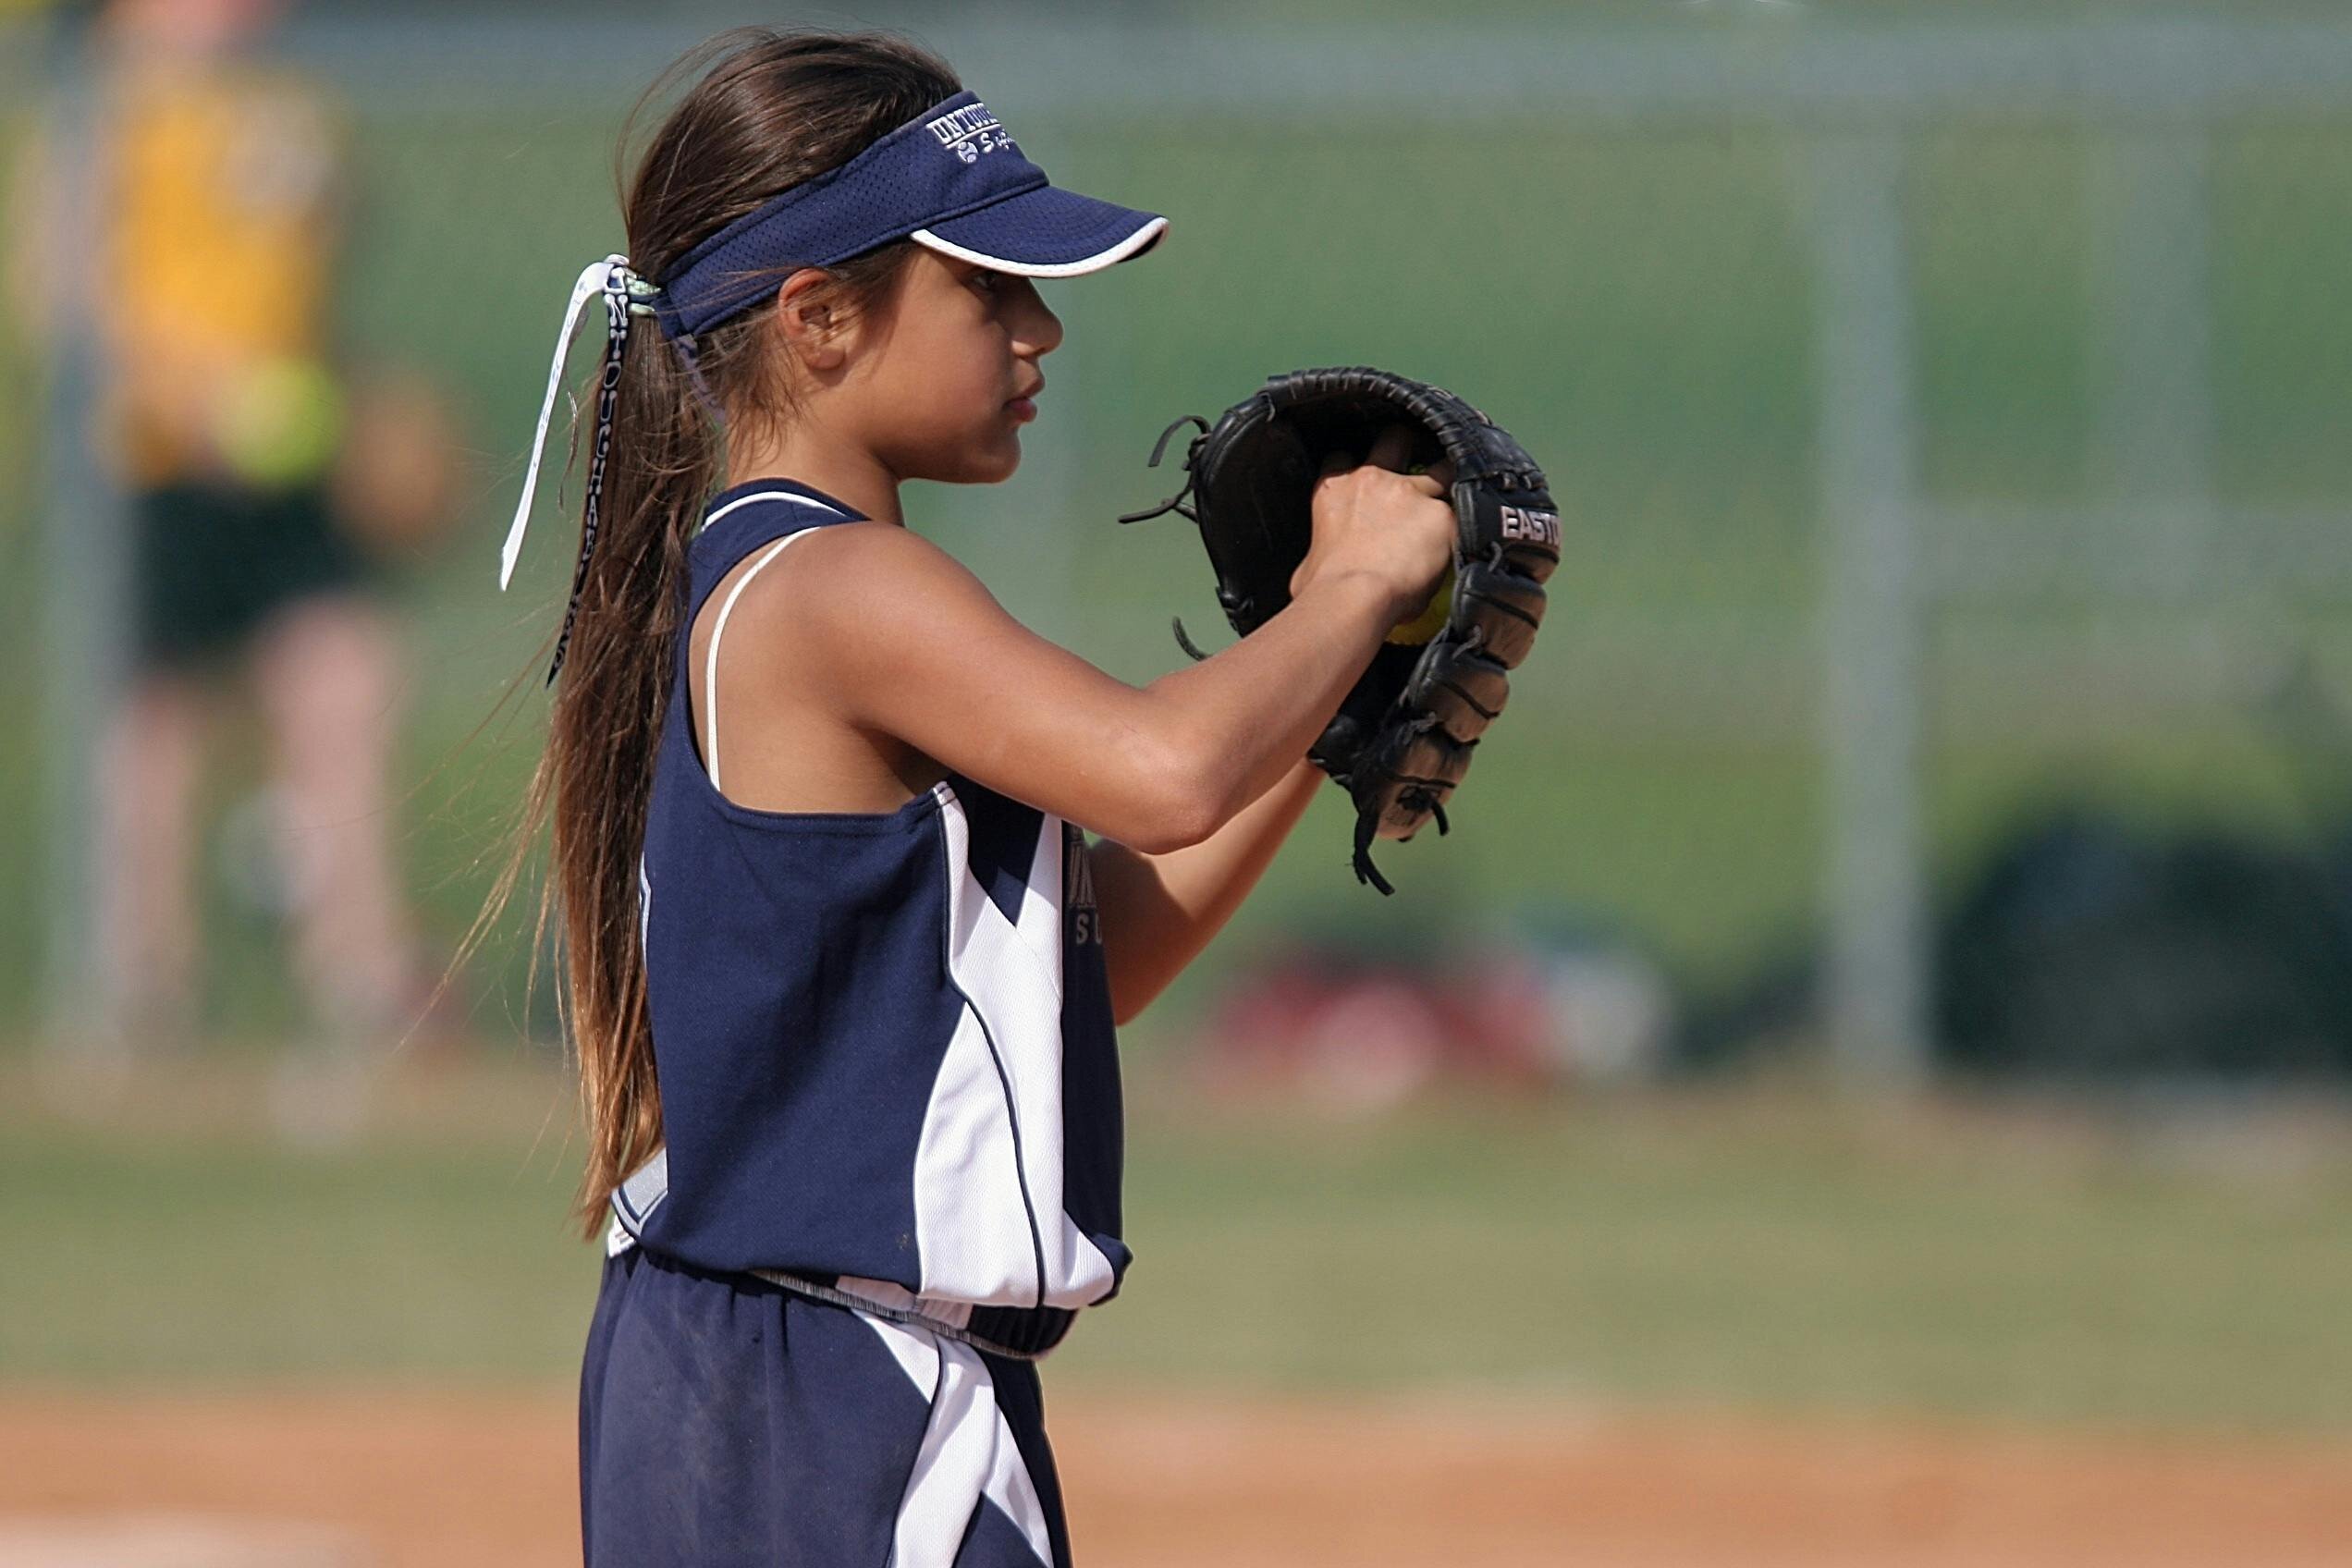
<point>724,1421</point>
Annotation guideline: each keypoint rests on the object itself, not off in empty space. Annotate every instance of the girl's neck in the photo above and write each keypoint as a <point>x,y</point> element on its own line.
<point>807,453</point>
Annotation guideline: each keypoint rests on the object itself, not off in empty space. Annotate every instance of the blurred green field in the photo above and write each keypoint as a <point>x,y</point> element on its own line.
<point>1755,1249</point>
<point>1647,329</point>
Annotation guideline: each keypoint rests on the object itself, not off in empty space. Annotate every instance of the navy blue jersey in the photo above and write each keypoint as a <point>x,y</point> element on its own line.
<point>884,1039</point>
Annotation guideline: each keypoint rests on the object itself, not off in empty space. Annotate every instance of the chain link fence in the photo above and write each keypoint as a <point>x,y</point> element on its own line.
<point>1952,417</point>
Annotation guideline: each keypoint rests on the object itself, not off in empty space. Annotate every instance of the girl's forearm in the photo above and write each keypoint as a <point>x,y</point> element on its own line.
<point>1249,710</point>
<point>1159,911</point>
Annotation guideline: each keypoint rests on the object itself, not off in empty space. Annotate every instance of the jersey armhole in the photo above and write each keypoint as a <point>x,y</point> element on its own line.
<point>707,721</point>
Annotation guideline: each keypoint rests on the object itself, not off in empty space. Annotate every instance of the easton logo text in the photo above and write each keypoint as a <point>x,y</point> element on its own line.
<point>1542,528</point>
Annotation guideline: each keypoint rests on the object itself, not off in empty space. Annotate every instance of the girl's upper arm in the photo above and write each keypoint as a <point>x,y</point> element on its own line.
<point>901,637</point>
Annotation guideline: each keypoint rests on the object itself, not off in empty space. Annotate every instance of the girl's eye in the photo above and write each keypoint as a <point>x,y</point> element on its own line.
<point>986,281</point>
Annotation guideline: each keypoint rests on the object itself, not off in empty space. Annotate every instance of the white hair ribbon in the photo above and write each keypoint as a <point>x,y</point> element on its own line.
<point>614,278</point>
<point>592,278</point>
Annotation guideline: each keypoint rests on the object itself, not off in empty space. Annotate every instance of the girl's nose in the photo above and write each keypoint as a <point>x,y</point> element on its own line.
<point>1040,328</point>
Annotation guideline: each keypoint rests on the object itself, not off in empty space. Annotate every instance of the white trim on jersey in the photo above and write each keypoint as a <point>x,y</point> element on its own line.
<point>973,1227</point>
<point>644,1190</point>
<point>741,501</point>
<point>996,1109</point>
<point>710,662</point>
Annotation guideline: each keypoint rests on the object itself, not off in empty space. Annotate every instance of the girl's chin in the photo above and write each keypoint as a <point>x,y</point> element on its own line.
<point>998,461</point>
<point>988,458</point>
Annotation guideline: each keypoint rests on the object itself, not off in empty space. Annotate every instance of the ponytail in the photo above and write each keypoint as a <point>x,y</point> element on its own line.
<point>768,111</point>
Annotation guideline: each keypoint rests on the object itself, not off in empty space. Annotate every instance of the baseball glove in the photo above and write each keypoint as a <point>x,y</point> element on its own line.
<point>1403,737</point>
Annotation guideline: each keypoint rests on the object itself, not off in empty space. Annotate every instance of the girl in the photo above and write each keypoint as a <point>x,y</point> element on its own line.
<point>843,969</point>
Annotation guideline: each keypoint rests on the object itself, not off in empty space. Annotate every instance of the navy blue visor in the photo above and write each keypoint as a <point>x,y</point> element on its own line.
<point>952,179</point>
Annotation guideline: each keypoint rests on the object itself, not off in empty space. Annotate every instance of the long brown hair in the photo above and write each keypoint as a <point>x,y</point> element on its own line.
<point>764,111</point>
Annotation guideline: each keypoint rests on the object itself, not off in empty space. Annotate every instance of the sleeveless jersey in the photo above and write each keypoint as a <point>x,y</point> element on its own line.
<point>884,1040</point>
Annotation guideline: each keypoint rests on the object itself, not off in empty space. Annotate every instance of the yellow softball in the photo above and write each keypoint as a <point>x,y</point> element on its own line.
<point>1420,629</point>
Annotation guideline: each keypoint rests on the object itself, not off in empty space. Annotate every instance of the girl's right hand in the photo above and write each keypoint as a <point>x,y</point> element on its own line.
<point>1395,528</point>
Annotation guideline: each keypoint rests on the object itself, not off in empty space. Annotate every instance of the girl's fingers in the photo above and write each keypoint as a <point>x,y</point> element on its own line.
<point>1393,448</point>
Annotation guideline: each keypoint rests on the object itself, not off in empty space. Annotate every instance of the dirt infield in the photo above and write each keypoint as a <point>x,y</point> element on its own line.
<point>405,1479</point>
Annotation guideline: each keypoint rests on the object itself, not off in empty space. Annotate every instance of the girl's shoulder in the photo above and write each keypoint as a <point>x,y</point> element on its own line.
<point>852,574</point>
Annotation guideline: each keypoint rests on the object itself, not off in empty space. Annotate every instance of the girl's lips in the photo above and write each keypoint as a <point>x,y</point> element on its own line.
<point>1024,409</point>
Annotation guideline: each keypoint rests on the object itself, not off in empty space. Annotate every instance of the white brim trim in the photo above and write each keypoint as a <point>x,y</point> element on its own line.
<point>1094,263</point>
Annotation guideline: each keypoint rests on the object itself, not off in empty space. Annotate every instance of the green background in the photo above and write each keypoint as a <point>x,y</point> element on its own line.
<point>1636,302</point>
<point>1661,762</point>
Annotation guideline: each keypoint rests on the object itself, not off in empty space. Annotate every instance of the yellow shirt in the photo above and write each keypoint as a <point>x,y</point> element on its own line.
<point>218,267</point>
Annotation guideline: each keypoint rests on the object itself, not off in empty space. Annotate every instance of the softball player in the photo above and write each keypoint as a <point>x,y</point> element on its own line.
<point>842,966</point>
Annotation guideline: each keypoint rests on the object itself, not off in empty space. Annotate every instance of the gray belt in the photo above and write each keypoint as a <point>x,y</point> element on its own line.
<point>648,1186</point>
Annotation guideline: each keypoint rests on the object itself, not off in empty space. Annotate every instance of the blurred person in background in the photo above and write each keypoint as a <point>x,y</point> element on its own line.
<point>220,195</point>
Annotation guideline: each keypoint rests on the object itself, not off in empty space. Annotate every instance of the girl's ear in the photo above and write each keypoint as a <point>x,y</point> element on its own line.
<point>806,314</point>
